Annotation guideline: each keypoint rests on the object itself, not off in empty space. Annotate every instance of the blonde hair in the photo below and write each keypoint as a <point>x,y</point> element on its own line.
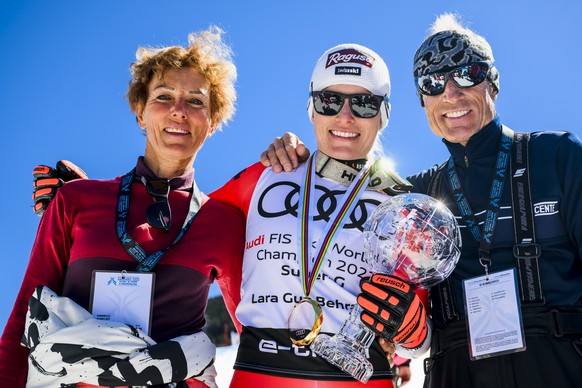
<point>377,151</point>
<point>207,53</point>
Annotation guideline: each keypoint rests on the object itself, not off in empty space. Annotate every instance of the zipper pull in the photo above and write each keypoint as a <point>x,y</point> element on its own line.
<point>466,161</point>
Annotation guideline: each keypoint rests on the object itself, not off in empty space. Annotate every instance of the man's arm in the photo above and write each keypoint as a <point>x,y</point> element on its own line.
<point>47,180</point>
<point>285,153</point>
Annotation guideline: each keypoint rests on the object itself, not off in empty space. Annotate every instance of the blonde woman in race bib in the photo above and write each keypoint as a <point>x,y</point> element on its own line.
<point>290,213</point>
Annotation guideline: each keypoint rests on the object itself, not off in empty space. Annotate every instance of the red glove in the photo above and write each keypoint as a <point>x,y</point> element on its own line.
<point>393,311</point>
<point>46,181</point>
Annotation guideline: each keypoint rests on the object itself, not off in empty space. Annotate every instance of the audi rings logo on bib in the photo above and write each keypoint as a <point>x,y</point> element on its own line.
<point>271,206</point>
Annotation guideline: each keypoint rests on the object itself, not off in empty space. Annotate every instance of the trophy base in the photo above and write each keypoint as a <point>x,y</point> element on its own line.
<point>340,352</point>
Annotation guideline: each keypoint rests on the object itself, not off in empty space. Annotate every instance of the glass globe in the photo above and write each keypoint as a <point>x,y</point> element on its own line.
<point>414,237</point>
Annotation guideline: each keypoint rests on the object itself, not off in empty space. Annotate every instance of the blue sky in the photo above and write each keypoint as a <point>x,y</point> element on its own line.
<point>65,67</point>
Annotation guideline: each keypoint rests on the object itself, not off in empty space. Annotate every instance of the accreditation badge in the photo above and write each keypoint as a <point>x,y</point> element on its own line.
<point>125,297</point>
<point>493,315</point>
<point>305,322</point>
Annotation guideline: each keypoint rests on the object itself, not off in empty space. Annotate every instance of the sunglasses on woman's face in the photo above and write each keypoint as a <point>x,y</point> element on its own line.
<point>362,105</point>
<point>465,76</point>
<point>158,213</point>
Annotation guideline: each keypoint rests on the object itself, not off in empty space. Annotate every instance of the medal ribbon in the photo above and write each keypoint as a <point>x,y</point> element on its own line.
<point>333,226</point>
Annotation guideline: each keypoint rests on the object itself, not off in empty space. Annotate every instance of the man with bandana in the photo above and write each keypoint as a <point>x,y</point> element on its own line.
<point>510,226</point>
<point>510,314</point>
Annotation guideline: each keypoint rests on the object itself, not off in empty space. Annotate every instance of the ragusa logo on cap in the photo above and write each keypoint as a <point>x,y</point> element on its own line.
<point>348,56</point>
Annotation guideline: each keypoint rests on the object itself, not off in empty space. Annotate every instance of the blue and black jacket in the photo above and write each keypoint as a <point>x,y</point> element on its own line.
<point>555,159</point>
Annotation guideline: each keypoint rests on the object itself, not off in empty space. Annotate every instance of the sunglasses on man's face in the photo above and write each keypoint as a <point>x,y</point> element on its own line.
<point>465,76</point>
<point>362,105</point>
<point>158,213</point>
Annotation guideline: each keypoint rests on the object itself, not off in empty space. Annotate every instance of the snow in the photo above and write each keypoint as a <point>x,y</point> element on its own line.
<point>225,357</point>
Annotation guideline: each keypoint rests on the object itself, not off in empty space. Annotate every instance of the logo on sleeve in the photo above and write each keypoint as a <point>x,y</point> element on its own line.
<point>546,208</point>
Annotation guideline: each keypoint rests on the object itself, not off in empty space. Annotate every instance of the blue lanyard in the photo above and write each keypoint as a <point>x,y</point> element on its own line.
<point>484,238</point>
<point>147,262</point>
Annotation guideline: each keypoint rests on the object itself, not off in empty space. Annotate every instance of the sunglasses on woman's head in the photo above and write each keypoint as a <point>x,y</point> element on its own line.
<point>362,105</point>
<point>464,76</point>
<point>158,213</point>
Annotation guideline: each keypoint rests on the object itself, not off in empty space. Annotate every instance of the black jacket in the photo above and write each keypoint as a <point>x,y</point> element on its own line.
<point>556,180</point>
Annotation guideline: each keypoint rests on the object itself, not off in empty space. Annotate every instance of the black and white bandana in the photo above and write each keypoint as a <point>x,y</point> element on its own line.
<point>446,50</point>
<point>67,346</point>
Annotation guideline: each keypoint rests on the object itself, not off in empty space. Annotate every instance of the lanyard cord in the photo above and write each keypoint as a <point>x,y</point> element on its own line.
<point>147,262</point>
<point>484,237</point>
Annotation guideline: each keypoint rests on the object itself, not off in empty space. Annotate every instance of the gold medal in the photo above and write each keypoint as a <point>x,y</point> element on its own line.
<point>305,322</point>
<point>306,318</point>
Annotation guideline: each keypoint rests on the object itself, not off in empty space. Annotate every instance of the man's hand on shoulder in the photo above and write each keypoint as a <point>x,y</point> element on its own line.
<point>285,153</point>
<point>47,180</point>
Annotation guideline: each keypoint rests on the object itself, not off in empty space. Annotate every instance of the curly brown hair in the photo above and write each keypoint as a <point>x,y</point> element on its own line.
<point>207,53</point>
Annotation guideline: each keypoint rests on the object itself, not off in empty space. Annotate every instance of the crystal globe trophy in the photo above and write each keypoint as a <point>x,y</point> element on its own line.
<point>411,236</point>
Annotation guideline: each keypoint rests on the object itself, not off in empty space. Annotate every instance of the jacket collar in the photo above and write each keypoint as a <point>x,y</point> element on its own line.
<point>182,182</point>
<point>484,143</point>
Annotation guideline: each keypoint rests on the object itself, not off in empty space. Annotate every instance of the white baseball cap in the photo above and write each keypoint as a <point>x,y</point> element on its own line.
<point>352,64</point>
